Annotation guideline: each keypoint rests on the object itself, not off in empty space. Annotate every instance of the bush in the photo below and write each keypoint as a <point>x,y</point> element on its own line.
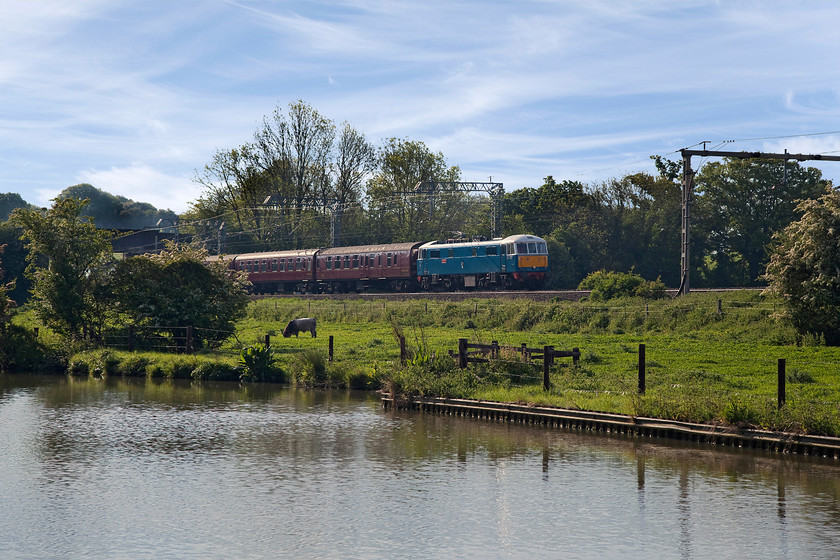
<point>310,368</point>
<point>803,268</point>
<point>216,371</point>
<point>133,366</point>
<point>255,362</point>
<point>609,285</point>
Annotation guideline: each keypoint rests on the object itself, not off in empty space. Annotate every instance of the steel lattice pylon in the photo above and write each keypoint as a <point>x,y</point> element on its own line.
<point>495,190</point>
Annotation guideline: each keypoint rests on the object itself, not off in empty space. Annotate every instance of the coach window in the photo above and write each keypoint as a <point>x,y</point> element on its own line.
<point>338,263</point>
<point>346,261</point>
<point>355,261</point>
<point>475,251</point>
<point>370,260</point>
<point>329,263</point>
<point>388,262</point>
<point>395,258</point>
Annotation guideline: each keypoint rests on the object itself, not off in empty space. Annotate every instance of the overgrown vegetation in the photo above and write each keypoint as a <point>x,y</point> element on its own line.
<point>605,286</point>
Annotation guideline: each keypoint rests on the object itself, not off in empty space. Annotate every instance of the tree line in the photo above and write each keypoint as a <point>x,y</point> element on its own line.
<point>302,177</point>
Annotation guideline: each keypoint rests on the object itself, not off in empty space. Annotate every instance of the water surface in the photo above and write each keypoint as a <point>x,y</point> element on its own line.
<point>142,469</point>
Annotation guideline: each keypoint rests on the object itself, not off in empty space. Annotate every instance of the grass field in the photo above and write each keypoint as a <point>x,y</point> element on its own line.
<point>706,360</point>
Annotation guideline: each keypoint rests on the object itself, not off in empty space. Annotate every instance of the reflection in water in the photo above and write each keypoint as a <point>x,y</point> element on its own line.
<point>136,469</point>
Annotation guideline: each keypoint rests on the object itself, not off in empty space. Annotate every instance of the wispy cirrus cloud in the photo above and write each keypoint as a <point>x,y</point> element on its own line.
<point>141,94</point>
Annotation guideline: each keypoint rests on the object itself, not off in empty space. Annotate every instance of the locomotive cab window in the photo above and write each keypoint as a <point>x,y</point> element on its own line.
<point>532,248</point>
<point>541,248</point>
<point>434,254</point>
<point>475,251</point>
<point>492,250</point>
<point>451,252</point>
<point>522,248</point>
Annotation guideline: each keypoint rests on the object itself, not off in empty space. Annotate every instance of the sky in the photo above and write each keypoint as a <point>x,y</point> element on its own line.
<point>135,97</point>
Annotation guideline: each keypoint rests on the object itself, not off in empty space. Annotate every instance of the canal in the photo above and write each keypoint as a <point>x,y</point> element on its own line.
<point>158,469</point>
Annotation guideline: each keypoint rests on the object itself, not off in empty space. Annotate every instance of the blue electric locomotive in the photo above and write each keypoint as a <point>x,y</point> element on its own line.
<point>517,261</point>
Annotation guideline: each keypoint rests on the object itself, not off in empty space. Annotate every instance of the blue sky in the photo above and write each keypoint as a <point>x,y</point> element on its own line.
<point>135,96</point>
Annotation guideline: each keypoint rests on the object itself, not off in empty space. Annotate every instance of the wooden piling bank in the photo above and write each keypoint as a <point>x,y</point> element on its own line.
<point>617,424</point>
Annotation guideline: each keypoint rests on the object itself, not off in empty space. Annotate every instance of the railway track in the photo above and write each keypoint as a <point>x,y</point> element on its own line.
<point>542,295</point>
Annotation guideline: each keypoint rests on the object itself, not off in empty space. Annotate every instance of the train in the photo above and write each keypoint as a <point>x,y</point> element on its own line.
<point>513,262</point>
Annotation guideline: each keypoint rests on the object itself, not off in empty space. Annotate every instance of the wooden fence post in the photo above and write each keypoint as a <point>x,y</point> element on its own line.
<point>462,353</point>
<point>494,353</point>
<point>331,347</point>
<point>267,340</point>
<point>547,350</point>
<point>781,371</point>
<point>575,356</point>
<point>719,308</point>
<point>641,369</point>
<point>403,354</point>
<point>189,346</point>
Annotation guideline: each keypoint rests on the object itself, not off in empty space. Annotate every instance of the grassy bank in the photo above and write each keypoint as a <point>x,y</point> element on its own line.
<point>706,361</point>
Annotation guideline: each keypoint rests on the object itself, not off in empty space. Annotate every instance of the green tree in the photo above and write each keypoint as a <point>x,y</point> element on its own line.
<point>68,259</point>
<point>400,210</point>
<point>177,289</point>
<point>10,202</point>
<point>740,204</point>
<point>14,261</point>
<point>804,268</point>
